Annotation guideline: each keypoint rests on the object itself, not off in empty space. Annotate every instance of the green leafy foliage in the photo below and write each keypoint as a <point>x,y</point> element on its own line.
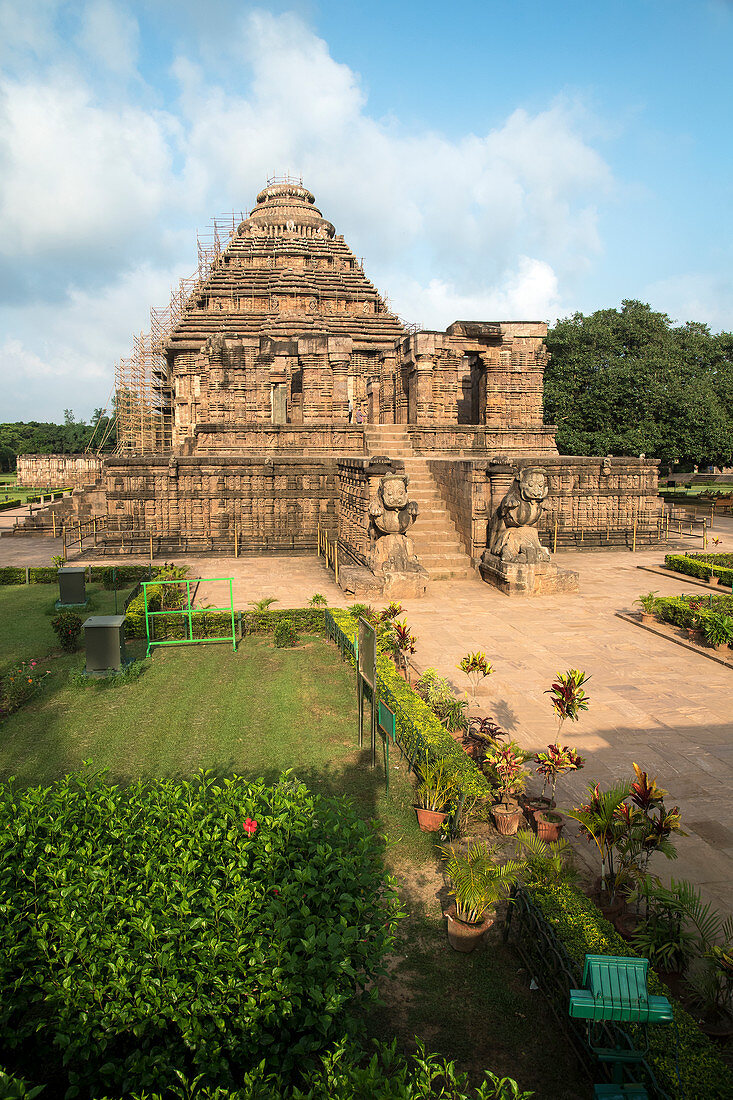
<point>627,381</point>
<point>308,620</point>
<point>477,879</point>
<point>285,634</point>
<point>183,928</point>
<point>67,626</point>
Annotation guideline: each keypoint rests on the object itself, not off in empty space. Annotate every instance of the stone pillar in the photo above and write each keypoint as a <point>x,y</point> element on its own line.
<point>340,400</point>
<point>424,388</point>
<point>500,475</point>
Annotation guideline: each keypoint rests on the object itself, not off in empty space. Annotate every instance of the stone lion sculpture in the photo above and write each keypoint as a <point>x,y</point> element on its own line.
<point>513,530</point>
<point>391,514</point>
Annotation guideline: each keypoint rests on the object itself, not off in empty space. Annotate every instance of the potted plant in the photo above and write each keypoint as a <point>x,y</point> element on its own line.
<point>477,668</point>
<point>648,604</point>
<point>509,778</point>
<point>435,792</point>
<point>718,630</point>
<point>477,882</point>
<point>548,824</point>
<point>551,765</point>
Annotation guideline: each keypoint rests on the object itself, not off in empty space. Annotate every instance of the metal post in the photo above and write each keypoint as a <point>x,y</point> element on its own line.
<point>94,528</point>
<point>712,514</point>
<point>190,617</point>
<point>151,549</point>
<point>360,704</point>
<point>374,723</point>
<point>336,560</point>
<point>704,534</point>
<point>53,520</point>
<point>554,540</point>
<point>63,535</point>
<point>633,540</point>
<point>231,605</point>
<point>236,543</point>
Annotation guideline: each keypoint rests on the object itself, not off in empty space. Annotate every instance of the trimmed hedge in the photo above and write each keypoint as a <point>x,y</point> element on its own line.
<point>681,610</point>
<point>307,620</point>
<point>6,505</point>
<point>12,574</point>
<point>702,565</point>
<point>582,930</point>
<point>414,720</point>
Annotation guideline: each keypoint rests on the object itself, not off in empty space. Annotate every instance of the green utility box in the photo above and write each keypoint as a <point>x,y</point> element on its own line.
<point>104,639</point>
<point>72,586</point>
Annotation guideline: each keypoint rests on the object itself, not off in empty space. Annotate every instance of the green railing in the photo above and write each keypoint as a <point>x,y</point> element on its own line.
<point>187,614</point>
<point>547,961</point>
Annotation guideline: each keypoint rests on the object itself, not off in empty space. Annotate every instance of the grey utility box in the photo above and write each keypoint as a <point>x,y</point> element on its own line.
<point>104,638</point>
<point>72,586</point>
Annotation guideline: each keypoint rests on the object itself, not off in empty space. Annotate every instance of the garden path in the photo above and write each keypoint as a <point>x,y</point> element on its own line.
<point>653,702</point>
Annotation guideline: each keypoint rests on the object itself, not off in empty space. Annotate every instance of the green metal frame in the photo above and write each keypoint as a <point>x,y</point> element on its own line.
<point>189,611</point>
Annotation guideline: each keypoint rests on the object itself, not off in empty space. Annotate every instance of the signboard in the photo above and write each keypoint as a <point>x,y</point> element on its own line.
<point>386,720</point>
<point>367,652</point>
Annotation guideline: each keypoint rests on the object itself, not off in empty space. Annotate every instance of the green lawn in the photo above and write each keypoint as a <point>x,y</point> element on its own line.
<point>9,489</point>
<point>257,712</point>
<point>25,618</point>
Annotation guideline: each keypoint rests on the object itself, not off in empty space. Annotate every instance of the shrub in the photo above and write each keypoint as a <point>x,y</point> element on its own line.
<point>346,1071</point>
<point>285,634</point>
<point>183,928</point>
<point>308,620</point>
<point>67,625</point>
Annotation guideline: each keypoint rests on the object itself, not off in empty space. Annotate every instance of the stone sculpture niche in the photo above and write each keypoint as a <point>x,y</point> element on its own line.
<point>391,555</point>
<point>515,561</point>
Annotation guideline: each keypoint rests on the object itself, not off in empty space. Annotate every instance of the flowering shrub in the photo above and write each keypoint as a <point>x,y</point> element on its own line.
<point>555,762</point>
<point>19,684</point>
<point>164,937</point>
<point>67,626</point>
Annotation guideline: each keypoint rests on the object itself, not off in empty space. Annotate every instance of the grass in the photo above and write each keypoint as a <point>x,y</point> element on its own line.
<point>25,618</point>
<point>9,489</point>
<point>257,712</point>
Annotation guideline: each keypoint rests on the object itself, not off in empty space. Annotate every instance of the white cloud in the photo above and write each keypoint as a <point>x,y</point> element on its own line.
<point>109,36</point>
<point>94,186</point>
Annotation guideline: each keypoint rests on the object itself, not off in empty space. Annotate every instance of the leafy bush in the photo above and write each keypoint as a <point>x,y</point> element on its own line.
<point>67,625</point>
<point>11,574</point>
<point>682,564</point>
<point>183,928</point>
<point>43,574</point>
<point>124,574</point>
<point>703,565</point>
<point>19,684</point>
<point>581,929</point>
<point>345,1072</point>
<point>285,634</point>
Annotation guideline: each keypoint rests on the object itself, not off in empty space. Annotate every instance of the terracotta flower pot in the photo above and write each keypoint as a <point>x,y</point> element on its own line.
<point>429,820</point>
<point>548,830</point>
<point>465,937</point>
<point>506,819</point>
<point>534,806</point>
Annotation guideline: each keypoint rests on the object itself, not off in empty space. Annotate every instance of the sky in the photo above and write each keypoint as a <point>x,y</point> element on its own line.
<point>495,160</point>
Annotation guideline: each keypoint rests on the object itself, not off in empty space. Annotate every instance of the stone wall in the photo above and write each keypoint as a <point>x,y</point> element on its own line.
<point>454,439</point>
<point>273,504</point>
<point>286,439</point>
<point>594,501</point>
<point>58,471</point>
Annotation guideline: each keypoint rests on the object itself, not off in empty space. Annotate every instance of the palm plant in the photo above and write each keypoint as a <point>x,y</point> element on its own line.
<point>318,600</point>
<point>548,862</point>
<point>260,606</point>
<point>477,881</point>
<point>648,602</point>
<point>599,820</point>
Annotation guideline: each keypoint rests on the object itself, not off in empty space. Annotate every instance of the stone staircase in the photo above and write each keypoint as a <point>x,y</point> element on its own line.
<point>437,544</point>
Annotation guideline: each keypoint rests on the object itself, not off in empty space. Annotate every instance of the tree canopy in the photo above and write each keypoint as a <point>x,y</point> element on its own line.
<point>631,382</point>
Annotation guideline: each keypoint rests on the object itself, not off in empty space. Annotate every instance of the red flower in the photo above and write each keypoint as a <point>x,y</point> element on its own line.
<point>250,826</point>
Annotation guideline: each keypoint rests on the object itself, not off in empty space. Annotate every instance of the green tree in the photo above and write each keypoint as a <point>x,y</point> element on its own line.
<point>629,382</point>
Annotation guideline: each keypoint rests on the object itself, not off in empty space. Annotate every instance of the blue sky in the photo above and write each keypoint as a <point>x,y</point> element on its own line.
<point>496,160</point>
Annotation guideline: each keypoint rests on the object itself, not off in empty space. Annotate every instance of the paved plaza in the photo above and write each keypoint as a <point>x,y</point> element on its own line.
<point>653,702</point>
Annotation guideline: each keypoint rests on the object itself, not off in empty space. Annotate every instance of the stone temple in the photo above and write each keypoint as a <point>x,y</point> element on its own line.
<point>283,386</point>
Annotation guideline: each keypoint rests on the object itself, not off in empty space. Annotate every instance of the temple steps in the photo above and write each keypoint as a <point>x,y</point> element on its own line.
<point>436,540</point>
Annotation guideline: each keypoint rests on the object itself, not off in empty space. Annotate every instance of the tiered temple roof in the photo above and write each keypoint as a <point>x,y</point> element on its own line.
<point>286,273</point>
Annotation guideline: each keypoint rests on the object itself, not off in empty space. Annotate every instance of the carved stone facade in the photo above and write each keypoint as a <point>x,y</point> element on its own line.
<point>58,471</point>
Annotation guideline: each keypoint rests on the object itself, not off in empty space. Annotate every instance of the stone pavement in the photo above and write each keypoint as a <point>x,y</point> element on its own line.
<point>652,702</point>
